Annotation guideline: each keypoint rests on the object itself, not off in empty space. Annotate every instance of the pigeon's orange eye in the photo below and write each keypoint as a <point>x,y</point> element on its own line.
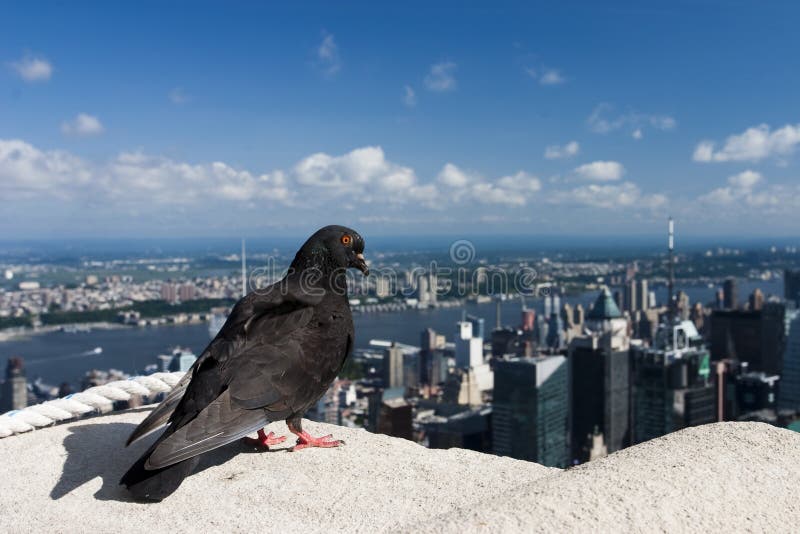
<point>346,239</point>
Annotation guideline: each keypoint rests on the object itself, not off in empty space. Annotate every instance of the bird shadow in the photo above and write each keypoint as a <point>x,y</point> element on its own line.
<point>98,450</point>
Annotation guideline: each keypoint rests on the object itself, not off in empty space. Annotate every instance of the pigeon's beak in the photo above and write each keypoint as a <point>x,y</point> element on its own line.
<point>361,264</point>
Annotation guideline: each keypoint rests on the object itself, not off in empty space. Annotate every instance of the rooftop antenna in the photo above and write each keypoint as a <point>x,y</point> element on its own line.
<point>244,270</point>
<point>497,315</point>
<point>671,282</point>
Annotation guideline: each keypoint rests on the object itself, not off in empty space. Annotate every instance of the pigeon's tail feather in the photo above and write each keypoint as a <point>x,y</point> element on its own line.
<point>156,484</point>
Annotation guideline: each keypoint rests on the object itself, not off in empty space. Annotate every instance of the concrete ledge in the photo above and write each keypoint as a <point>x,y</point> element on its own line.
<point>740,476</point>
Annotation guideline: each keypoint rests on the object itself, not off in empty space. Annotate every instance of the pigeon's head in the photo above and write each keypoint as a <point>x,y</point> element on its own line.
<point>335,246</point>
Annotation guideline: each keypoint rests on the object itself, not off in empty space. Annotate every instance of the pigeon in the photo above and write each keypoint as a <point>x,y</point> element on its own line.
<point>275,356</point>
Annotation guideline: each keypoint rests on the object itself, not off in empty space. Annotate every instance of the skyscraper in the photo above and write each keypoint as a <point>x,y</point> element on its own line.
<point>756,337</point>
<point>789,392</point>
<point>393,367</point>
<point>599,380</point>
<point>671,386</point>
<point>528,319</point>
<point>630,299</point>
<point>186,291</point>
<point>478,326</point>
<point>529,419</point>
<point>756,300</point>
<point>730,294</point>
<point>469,349</point>
<point>169,292</point>
<point>643,295</point>
<point>14,393</point>
<point>791,286</point>
<point>682,308</point>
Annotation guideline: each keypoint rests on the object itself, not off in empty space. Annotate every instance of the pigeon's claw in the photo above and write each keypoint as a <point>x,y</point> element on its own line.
<point>305,440</point>
<point>265,440</point>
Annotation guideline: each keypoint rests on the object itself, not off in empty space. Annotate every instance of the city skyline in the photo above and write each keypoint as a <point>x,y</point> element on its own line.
<point>160,120</point>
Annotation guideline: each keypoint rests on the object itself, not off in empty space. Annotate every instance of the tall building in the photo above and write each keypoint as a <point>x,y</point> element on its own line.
<point>756,300</point>
<point>169,292</point>
<point>433,288</point>
<point>791,286</point>
<point>14,393</point>
<point>630,299</point>
<point>430,344</point>
<point>423,293</point>
<point>395,418</point>
<point>555,332</point>
<point>478,326</point>
<point>643,295</point>
<point>789,393</point>
<point>599,380</point>
<point>730,294</point>
<point>530,410</point>
<point>578,315</point>
<point>528,319</point>
<point>383,286</point>
<point>469,429</point>
<point>393,367</point>
<point>469,349</point>
<point>186,292</point>
<point>178,360</point>
<point>756,392</point>
<point>671,387</point>
<point>755,337</point>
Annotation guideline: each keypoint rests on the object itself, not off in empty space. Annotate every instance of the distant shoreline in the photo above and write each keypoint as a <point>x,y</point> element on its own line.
<point>16,334</point>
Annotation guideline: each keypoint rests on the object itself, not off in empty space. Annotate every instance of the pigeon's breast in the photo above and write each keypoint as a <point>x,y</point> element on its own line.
<point>325,343</point>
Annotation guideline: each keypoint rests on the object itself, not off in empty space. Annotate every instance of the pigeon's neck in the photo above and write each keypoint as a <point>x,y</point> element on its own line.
<point>319,270</point>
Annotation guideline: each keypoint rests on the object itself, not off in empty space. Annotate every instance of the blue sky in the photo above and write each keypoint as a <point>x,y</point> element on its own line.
<point>192,119</point>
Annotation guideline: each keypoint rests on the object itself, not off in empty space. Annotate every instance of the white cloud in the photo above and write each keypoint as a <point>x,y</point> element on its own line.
<point>512,190</point>
<point>754,144</point>
<point>558,152</point>
<point>452,176</point>
<point>136,189</point>
<point>551,77</point>
<point>27,172</point>
<point>603,121</point>
<point>33,68</point>
<point>178,96</point>
<point>545,75</point>
<point>328,59</point>
<point>521,181</point>
<point>361,174</point>
<point>601,171</point>
<point>608,196</point>
<point>83,124</point>
<point>441,77</point>
<point>739,189</point>
<point>745,180</point>
<point>409,96</point>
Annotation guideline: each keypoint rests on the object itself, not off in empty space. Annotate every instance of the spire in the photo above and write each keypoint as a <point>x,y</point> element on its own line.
<point>604,307</point>
<point>671,282</point>
<point>244,270</point>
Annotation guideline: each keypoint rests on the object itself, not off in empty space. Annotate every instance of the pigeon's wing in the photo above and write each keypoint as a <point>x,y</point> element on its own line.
<point>256,394</point>
<point>273,311</point>
<point>161,413</point>
<point>220,423</point>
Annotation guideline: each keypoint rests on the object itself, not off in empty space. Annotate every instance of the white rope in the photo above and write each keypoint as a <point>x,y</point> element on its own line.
<point>97,399</point>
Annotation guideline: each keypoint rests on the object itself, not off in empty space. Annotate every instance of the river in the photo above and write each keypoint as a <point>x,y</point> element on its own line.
<point>65,357</point>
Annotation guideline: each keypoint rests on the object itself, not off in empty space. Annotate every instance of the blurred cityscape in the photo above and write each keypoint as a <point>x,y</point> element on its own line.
<point>592,355</point>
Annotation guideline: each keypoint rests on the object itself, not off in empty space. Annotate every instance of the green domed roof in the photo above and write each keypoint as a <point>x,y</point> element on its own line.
<point>604,307</point>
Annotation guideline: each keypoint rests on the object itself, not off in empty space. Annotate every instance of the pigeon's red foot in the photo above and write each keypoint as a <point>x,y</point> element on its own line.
<point>265,440</point>
<point>305,440</point>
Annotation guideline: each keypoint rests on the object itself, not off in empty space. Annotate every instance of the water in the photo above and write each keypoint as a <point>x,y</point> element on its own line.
<point>58,356</point>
